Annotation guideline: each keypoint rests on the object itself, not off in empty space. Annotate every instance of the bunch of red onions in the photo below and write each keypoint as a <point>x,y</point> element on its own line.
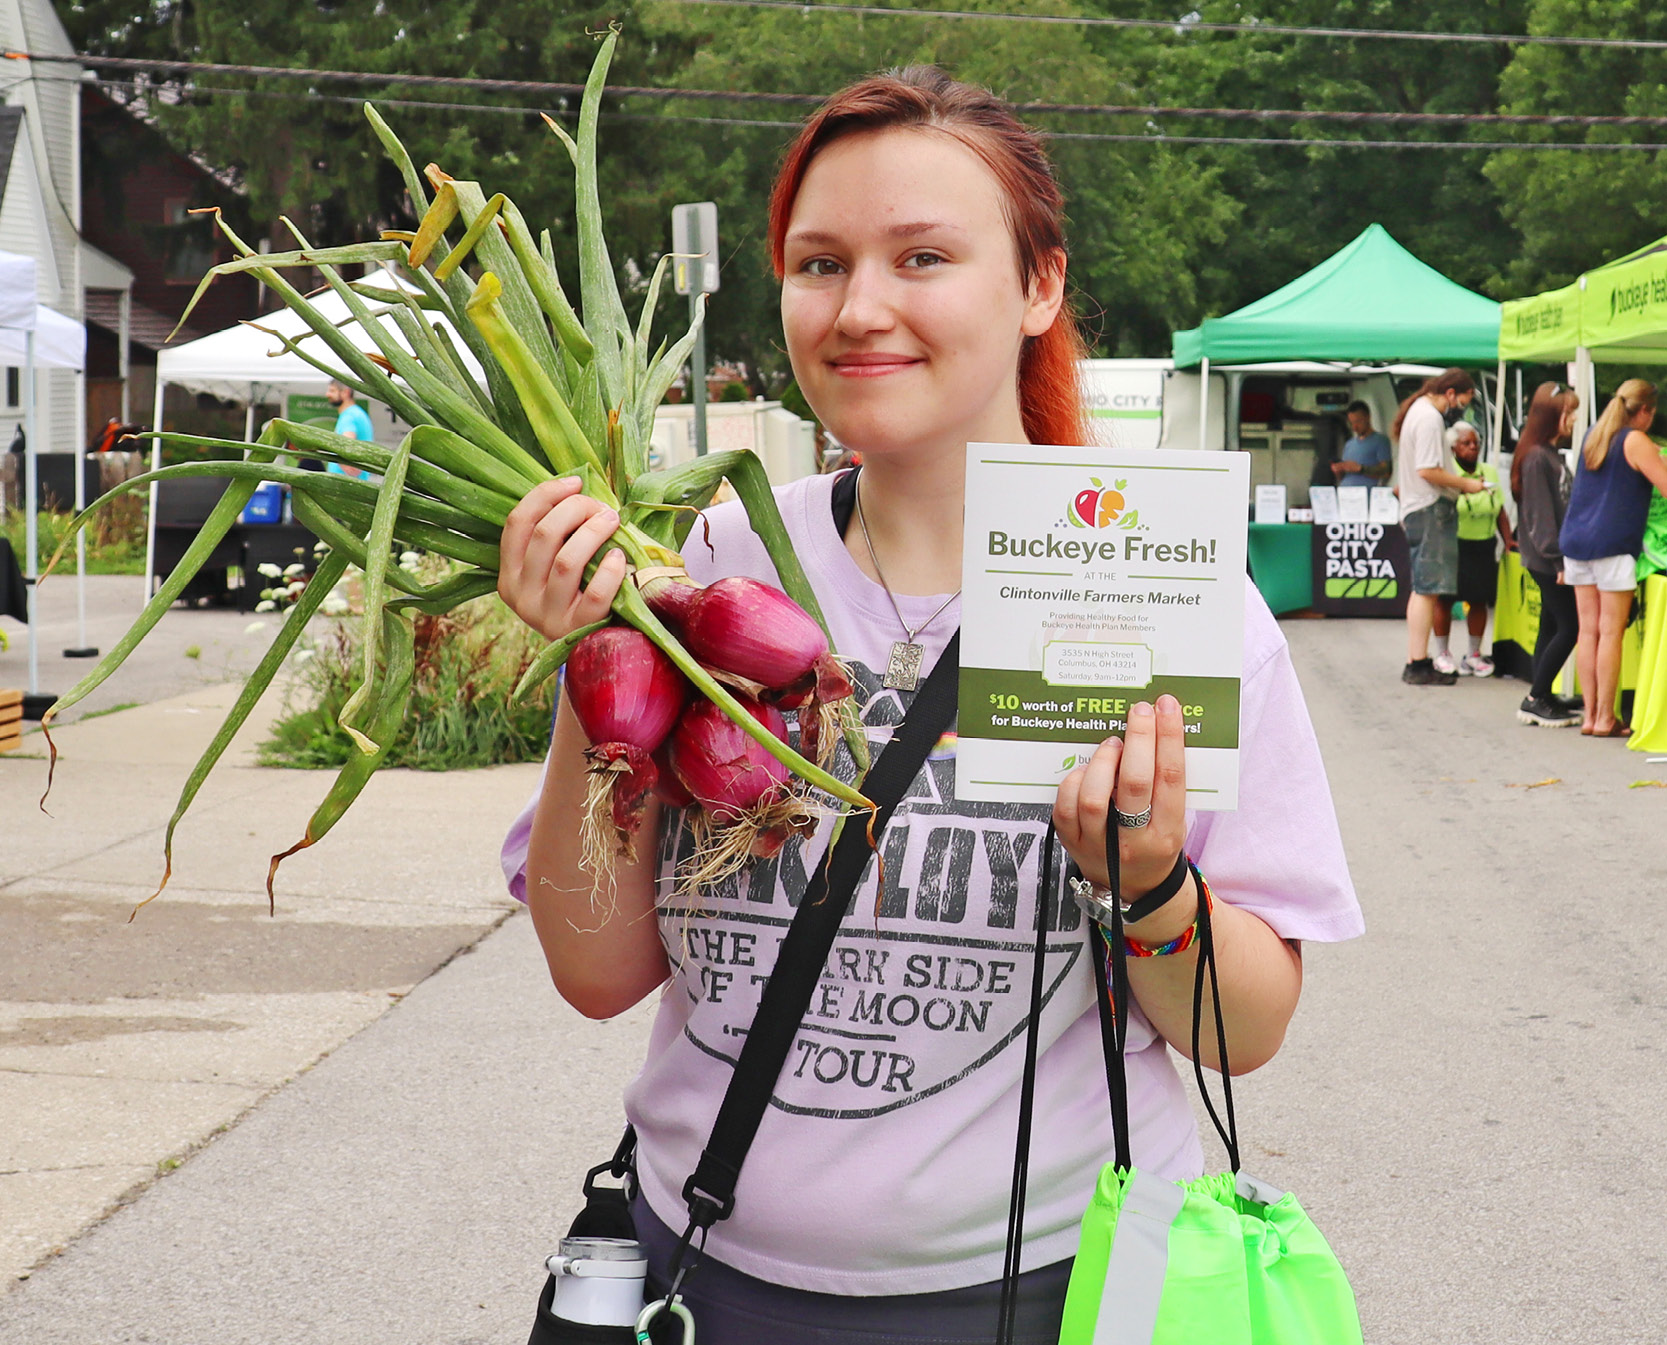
<point>651,734</point>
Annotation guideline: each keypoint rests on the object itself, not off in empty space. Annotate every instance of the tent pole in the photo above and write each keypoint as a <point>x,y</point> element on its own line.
<point>82,649</point>
<point>124,322</point>
<point>1583,379</point>
<point>155,465</point>
<point>31,488</point>
<point>1498,412</point>
<point>1204,402</point>
<point>249,417</point>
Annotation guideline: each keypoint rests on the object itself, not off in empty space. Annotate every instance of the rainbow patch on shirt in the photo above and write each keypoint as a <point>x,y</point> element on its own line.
<point>944,748</point>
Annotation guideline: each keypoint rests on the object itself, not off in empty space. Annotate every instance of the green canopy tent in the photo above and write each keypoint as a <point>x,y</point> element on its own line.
<point>1614,314</point>
<point>1371,302</point>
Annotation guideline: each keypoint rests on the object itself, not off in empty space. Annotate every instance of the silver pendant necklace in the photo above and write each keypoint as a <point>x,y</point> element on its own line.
<point>903,667</point>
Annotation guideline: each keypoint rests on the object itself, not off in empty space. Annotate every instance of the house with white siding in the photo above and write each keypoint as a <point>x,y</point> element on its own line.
<point>40,209</point>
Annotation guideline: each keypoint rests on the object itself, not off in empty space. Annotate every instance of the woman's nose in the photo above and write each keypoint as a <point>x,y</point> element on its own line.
<point>866,305</point>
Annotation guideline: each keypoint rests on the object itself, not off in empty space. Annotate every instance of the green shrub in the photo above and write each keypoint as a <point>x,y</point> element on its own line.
<point>461,714</point>
<point>115,539</point>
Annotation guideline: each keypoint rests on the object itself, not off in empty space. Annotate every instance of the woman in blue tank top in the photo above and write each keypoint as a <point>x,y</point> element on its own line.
<point>1602,531</point>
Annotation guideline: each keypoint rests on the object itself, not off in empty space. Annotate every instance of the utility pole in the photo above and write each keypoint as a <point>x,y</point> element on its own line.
<point>694,245</point>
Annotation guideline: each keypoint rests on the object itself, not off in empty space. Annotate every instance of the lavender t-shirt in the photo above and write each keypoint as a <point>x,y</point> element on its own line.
<point>883,1163</point>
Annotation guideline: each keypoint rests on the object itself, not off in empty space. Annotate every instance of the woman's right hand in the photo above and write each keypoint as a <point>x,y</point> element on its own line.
<point>548,540</point>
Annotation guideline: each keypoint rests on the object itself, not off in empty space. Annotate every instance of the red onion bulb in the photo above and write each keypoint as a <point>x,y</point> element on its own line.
<point>748,629</point>
<point>624,689</point>
<point>724,770</point>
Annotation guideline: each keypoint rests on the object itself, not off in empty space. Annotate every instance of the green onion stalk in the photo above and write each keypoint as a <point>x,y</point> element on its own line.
<point>567,391</point>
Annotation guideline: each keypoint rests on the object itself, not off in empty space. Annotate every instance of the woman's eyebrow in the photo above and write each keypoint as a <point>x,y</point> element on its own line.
<point>911,229</point>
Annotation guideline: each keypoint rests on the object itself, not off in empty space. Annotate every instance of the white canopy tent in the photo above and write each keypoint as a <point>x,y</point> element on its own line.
<point>244,364</point>
<point>33,337</point>
<point>60,342</point>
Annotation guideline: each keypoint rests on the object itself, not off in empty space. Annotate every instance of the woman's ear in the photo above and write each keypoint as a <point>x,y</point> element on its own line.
<point>1047,295</point>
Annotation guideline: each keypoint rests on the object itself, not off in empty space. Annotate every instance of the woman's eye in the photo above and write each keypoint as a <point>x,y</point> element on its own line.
<point>820,266</point>
<point>922,260</point>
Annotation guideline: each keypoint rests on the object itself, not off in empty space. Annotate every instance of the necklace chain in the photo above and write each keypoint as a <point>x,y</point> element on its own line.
<point>909,635</point>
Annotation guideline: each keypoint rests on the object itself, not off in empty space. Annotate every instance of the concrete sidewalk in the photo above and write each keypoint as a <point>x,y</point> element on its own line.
<point>1469,1103</point>
<point>124,1046</point>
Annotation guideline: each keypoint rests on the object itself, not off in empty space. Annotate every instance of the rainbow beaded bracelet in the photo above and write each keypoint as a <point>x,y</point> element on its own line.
<point>1182,941</point>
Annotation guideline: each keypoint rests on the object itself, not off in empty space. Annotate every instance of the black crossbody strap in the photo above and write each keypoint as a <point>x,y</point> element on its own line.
<point>710,1190</point>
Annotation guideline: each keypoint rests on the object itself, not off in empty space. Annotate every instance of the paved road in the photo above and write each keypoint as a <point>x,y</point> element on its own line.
<point>1470,1102</point>
<point>191,649</point>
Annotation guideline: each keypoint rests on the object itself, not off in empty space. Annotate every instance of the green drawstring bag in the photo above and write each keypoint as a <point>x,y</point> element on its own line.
<point>1221,1259</point>
<point>1224,1259</point>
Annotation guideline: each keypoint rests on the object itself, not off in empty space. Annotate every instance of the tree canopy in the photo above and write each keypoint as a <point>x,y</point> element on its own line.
<point>1163,232</point>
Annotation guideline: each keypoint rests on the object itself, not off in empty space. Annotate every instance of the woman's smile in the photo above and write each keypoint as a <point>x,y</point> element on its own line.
<point>873,364</point>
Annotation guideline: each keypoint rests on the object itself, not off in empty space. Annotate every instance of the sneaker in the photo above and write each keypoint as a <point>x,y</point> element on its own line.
<point>1446,664</point>
<point>1424,673</point>
<point>1476,665</point>
<point>1545,714</point>
<point>1573,704</point>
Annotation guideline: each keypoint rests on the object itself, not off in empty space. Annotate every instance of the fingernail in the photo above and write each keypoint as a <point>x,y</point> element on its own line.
<point>1168,704</point>
<point>1142,709</point>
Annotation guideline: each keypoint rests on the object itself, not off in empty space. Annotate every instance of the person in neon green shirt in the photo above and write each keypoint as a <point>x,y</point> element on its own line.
<point>1481,515</point>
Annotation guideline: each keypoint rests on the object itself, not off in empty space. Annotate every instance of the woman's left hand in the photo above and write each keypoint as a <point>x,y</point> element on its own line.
<point>1145,768</point>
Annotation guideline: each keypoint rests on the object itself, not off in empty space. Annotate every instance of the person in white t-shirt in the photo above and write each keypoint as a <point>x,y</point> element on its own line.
<point>1429,484</point>
<point>917,230</point>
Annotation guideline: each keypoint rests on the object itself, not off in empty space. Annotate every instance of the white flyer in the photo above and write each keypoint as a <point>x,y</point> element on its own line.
<point>1092,579</point>
<point>1353,506</point>
<point>1270,504</point>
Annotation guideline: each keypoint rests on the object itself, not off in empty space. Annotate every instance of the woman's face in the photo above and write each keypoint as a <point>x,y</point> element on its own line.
<point>901,300</point>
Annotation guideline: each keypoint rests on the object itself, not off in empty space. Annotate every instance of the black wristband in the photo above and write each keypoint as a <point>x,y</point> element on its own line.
<point>1137,911</point>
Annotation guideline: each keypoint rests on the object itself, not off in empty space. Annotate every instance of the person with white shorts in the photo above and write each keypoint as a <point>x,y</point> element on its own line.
<point>1602,532</point>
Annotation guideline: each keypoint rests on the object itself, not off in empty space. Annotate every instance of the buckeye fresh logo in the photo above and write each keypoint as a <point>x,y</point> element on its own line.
<point>1100,506</point>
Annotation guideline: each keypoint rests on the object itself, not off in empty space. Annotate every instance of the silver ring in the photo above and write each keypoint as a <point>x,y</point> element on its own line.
<point>1132,821</point>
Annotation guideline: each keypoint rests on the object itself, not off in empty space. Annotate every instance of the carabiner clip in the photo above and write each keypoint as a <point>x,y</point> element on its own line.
<point>673,1306</point>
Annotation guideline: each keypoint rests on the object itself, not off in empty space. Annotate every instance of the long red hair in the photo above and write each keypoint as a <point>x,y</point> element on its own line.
<point>1540,427</point>
<point>1050,395</point>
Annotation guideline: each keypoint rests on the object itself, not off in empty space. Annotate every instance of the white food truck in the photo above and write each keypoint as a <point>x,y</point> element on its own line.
<point>1289,416</point>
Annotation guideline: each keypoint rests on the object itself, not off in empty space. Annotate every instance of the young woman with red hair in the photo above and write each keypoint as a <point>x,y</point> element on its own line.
<point>917,230</point>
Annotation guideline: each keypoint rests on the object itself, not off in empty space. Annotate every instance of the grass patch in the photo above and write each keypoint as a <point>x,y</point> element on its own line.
<point>110,710</point>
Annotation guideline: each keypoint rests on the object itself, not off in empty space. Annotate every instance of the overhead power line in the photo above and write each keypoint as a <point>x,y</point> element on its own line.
<point>551,88</point>
<point>1183,26</point>
<point>564,90</point>
<point>1153,137</point>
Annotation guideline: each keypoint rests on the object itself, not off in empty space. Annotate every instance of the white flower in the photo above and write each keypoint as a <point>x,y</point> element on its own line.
<point>320,548</point>
<point>270,570</point>
<point>290,571</point>
<point>265,606</point>
<point>409,558</point>
<point>294,587</point>
<point>254,626</point>
<point>302,655</point>
<point>334,605</point>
